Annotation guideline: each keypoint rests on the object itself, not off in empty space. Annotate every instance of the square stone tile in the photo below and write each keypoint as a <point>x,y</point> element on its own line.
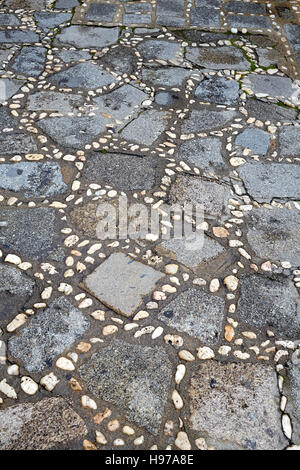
<point>121,283</point>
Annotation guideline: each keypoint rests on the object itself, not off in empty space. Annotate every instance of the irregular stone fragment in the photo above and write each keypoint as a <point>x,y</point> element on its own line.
<point>120,103</point>
<point>7,19</point>
<point>17,143</point>
<point>196,313</point>
<point>32,179</point>
<point>268,181</point>
<point>207,119</point>
<point>54,101</point>
<point>268,57</point>
<point>251,22</point>
<point>102,12</point>
<point>126,172</point>
<point>272,304</point>
<point>277,87</point>
<point>17,36</point>
<point>132,281</point>
<point>88,37</point>
<point>170,76</point>
<point>160,49</point>
<point>147,128</point>
<point>66,4</point>
<point>40,426</point>
<point>84,75</point>
<point>206,17</point>
<point>242,7</point>
<point>48,20</point>
<point>31,232</point>
<point>48,334</point>
<point>9,87</point>
<point>15,290</point>
<point>206,154</point>
<point>132,377</point>
<point>236,405</point>
<point>120,60</point>
<point>218,58</point>
<point>69,55</point>
<point>218,90</point>
<point>270,112</point>
<point>255,139</point>
<point>289,141</point>
<point>7,120</point>
<point>274,234</point>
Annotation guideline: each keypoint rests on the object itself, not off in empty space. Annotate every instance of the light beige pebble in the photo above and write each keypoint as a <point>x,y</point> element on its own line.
<point>99,315</point>
<point>186,355</point>
<point>139,441</point>
<point>13,369</point>
<point>128,430</point>
<point>113,425</point>
<point>100,438</point>
<point>177,400</point>
<point>46,294</point>
<point>180,373</point>
<point>13,259</point>
<point>65,364</point>
<point>49,381</point>
<point>119,442</point>
<point>88,445</point>
<point>88,402</point>
<point>144,331</point>
<point>25,266</point>
<point>130,326</point>
<point>287,426</point>
<point>8,390</point>
<point>157,332</point>
<point>267,266</point>
<point>214,285</point>
<point>141,315</point>
<point>205,353</point>
<point>83,347</point>
<point>73,356</point>
<point>109,330</point>
<point>241,355</point>
<point>229,333</point>
<point>29,386</point>
<point>182,441</point>
<point>158,295</point>
<point>201,444</point>
<point>18,321</point>
<point>249,334</point>
<point>171,268</point>
<point>220,232</point>
<point>175,340</point>
<point>169,289</point>
<point>224,350</point>
<point>231,282</point>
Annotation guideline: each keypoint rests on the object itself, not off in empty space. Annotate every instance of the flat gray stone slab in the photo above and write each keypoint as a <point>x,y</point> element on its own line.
<point>274,234</point>
<point>32,179</point>
<point>237,405</point>
<point>171,76</point>
<point>88,37</point>
<point>276,87</point>
<point>17,143</point>
<point>74,131</point>
<point>69,55</point>
<point>218,58</point>
<point>205,154</point>
<point>289,141</point>
<point>268,57</point>
<point>126,172</point>
<point>212,196</point>
<point>54,101</point>
<point>160,49</point>
<point>134,378</point>
<point>291,389</point>
<point>218,91</point>
<point>31,232</point>
<point>207,120</point>
<point>197,314</point>
<point>31,61</point>
<point>4,54</point>
<point>48,20</point>
<point>120,60</point>
<point>270,112</point>
<point>267,181</point>
<point>121,102</point>
<point>7,121</point>
<point>84,75</point>
<point>272,304</point>
<point>147,128</point>
<point>102,12</point>
<point>8,19</point>
<point>48,334</point>
<point>207,17</point>
<point>66,4</point>
<point>121,283</point>
<point>9,87</point>
<point>254,139</point>
<point>192,251</point>
<point>40,426</point>
<point>18,37</point>
<point>15,289</point>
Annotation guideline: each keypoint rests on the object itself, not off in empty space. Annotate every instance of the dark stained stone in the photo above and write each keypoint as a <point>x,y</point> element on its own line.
<point>270,112</point>
<point>205,153</point>
<point>218,58</point>
<point>120,60</point>
<point>218,90</point>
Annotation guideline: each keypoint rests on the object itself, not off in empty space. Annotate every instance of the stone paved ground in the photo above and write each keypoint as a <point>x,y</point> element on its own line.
<point>145,344</point>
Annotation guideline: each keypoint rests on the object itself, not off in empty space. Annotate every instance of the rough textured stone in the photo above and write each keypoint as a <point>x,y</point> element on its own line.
<point>206,154</point>
<point>48,334</point>
<point>31,232</point>
<point>9,87</point>
<point>171,76</point>
<point>268,57</point>
<point>8,19</point>
<point>267,181</point>
<point>159,49</point>
<point>7,121</point>
<point>17,36</point>
<point>196,313</point>
<point>15,289</point>
<point>17,143</point>
<point>66,4</point>
<point>33,179</point>
<point>241,7</point>
<point>126,172</point>
<point>132,377</point>
<point>54,101</point>
<point>251,22</point>
<point>218,58</point>
<point>147,128</point>
<point>293,34</point>
<point>120,60</point>
<point>274,234</point>
<point>203,16</point>
<point>134,280</point>
<point>169,99</point>
<point>88,37</point>
<point>237,405</point>
<point>289,141</point>
<point>40,426</point>
<point>207,119</point>
<point>211,195</point>
<point>254,139</point>
<point>270,112</point>
<point>47,20</point>
<point>278,87</point>
<point>120,103</point>
<point>102,12</point>
<point>84,75</point>
<point>272,304</point>
<point>69,55</point>
<point>218,90</point>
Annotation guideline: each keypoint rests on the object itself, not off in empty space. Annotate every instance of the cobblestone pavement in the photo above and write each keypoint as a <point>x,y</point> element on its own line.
<point>143,343</point>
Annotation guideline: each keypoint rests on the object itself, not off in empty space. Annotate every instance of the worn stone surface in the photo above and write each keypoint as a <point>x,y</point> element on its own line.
<point>119,59</point>
<point>159,49</point>
<point>269,303</point>
<point>197,314</point>
<point>47,20</point>
<point>171,76</point>
<point>254,139</point>
<point>10,88</point>
<point>278,87</point>
<point>237,404</point>
<point>132,377</point>
<point>40,426</point>
<point>206,119</point>
<point>48,334</point>
<point>147,128</point>
<point>289,141</point>
<point>219,90</point>
<point>206,154</point>
<point>218,58</point>
<point>34,179</point>
<point>270,112</point>
<point>292,392</point>
<point>54,101</point>
<point>134,281</point>
<point>17,37</point>
<point>17,143</point>
<point>85,75</point>
<point>274,234</point>
<point>88,37</point>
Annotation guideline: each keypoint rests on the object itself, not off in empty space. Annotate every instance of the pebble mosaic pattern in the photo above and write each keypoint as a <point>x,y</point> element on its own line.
<point>165,102</point>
